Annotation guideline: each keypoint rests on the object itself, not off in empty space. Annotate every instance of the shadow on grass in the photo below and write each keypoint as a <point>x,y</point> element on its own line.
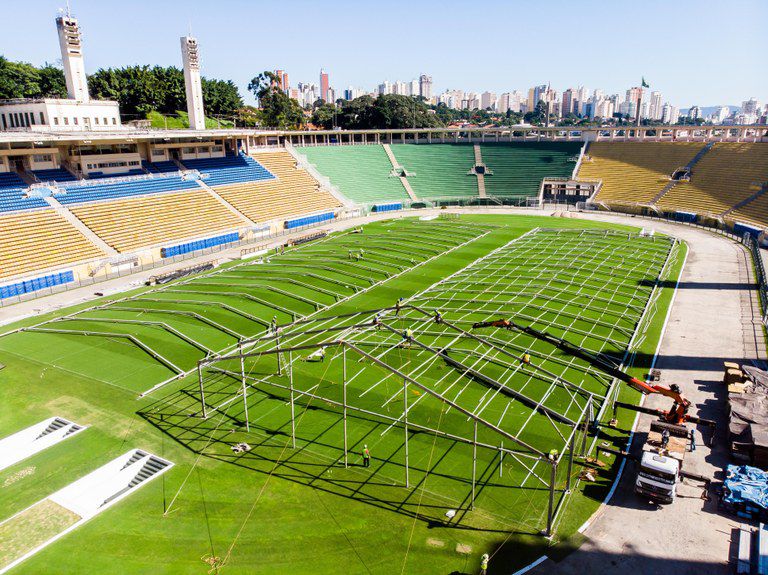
<point>318,461</point>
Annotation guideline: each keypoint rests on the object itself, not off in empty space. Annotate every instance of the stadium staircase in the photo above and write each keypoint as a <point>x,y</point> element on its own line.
<point>59,423</point>
<point>438,170</point>
<point>362,173</point>
<point>150,467</point>
<point>480,177</point>
<point>225,203</point>
<point>726,177</point>
<point>81,227</point>
<point>633,172</point>
<point>28,176</point>
<point>399,169</point>
<point>517,169</point>
<point>689,167</point>
<point>760,193</point>
<point>324,182</point>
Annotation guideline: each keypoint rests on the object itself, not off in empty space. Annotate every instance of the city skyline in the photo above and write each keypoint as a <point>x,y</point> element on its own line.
<point>476,63</point>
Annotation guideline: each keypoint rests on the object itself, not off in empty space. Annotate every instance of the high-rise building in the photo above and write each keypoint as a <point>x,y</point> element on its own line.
<point>385,88</point>
<point>324,85</point>
<point>503,105</point>
<point>694,113</point>
<point>566,106</point>
<point>488,100</point>
<point>655,107</point>
<point>190,57</point>
<point>72,58</point>
<point>750,106</point>
<point>400,88</point>
<point>516,101</point>
<point>413,88</point>
<point>425,86</point>
<point>720,114</point>
<point>581,97</point>
<point>670,114</point>
<point>603,108</point>
<point>282,80</point>
<point>535,94</point>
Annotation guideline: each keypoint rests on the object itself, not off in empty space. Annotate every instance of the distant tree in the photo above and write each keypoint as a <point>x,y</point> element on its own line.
<point>539,114</point>
<point>324,116</point>
<point>277,109</point>
<point>248,116</point>
<point>221,97</point>
<point>23,80</point>
<point>141,89</point>
<point>52,82</point>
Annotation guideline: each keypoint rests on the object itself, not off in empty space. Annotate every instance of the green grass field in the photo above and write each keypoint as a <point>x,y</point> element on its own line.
<point>180,121</point>
<point>277,508</point>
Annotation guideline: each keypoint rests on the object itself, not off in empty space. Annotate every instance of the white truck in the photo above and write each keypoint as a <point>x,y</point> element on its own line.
<point>659,468</point>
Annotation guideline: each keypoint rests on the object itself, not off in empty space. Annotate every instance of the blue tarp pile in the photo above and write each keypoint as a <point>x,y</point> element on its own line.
<point>745,492</point>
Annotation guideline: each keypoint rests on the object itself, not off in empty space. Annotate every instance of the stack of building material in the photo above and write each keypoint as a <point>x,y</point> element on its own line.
<point>745,492</point>
<point>748,422</point>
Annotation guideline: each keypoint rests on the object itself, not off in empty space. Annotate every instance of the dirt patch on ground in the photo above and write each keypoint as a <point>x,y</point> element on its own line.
<point>33,527</point>
<point>20,474</point>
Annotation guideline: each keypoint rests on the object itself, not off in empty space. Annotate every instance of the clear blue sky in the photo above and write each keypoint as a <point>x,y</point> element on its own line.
<point>702,52</point>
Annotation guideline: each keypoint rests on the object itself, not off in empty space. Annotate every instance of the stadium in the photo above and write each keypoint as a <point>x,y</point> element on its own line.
<point>365,351</point>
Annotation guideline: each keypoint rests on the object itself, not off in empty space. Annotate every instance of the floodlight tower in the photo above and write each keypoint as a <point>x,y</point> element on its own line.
<point>72,57</point>
<point>191,59</point>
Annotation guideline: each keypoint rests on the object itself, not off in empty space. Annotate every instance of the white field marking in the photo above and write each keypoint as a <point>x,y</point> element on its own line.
<point>26,443</point>
<point>530,566</point>
<point>86,496</point>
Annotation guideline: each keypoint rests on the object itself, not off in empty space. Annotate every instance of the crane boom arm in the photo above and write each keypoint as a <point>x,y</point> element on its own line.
<point>679,411</point>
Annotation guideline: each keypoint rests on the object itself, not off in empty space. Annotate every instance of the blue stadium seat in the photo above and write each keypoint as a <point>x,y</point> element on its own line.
<point>12,194</point>
<point>57,175</point>
<point>229,170</point>
<point>78,193</point>
<point>164,167</point>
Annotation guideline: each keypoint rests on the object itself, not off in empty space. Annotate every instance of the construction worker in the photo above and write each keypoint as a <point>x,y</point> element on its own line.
<point>377,320</point>
<point>407,337</point>
<point>693,440</point>
<point>322,354</point>
<point>553,453</point>
<point>484,564</point>
<point>366,456</point>
<point>273,325</point>
<point>664,438</point>
<point>349,255</point>
<point>398,306</point>
<point>526,358</point>
<point>362,253</point>
<point>438,316</point>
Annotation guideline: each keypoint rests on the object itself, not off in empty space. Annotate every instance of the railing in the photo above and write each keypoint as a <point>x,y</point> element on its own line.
<point>753,246</point>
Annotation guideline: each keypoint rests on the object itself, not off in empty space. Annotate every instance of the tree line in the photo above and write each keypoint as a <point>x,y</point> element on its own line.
<point>138,89</point>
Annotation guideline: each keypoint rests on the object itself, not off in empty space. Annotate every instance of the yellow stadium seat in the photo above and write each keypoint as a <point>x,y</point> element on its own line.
<point>39,240</point>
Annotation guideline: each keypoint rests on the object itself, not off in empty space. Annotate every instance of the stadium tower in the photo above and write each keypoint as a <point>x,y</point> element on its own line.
<point>191,59</point>
<point>72,58</point>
